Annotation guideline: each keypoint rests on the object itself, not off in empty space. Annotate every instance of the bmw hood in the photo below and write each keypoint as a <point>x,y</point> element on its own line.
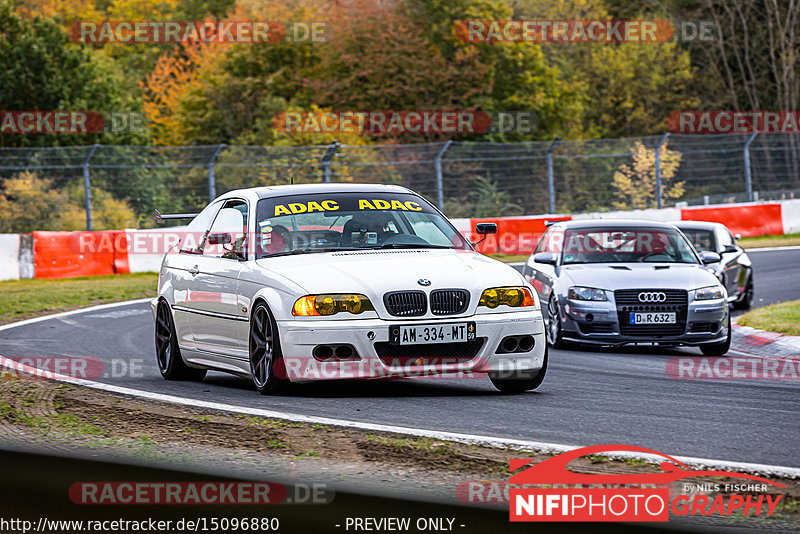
<point>639,276</point>
<point>375,272</point>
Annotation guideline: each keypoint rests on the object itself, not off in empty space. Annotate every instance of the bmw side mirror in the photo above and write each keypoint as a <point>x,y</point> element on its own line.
<point>219,239</point>
<point>709,257</point>
<point>485,229</point>
<point>730,248</point>
<point>545,257</point>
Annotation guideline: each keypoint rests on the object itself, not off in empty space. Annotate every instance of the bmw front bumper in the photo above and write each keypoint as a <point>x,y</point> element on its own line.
<point>376,358</point>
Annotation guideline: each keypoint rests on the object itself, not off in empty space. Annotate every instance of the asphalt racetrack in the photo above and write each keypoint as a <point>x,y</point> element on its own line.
<point>589,397</point>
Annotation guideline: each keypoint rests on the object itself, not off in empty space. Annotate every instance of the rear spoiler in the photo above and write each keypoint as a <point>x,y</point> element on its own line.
<point>169,216</point>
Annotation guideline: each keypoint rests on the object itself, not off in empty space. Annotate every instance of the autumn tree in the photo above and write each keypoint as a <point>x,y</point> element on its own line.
<point>636,183</point>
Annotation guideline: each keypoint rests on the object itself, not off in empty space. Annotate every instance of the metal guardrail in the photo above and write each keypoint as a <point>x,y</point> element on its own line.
<point>465,179</point>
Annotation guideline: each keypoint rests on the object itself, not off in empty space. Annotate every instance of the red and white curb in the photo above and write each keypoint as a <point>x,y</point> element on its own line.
<point>764,343</point>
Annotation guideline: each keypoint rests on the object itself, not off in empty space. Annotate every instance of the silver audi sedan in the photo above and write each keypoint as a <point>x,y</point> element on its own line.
<point>619,282</point>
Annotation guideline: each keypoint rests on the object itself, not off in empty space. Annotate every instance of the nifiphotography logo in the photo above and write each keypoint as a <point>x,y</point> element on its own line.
<point>640,497</point>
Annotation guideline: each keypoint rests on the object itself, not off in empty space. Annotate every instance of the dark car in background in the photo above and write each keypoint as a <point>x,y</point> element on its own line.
<point>619,282</point>
<point>734,270</point>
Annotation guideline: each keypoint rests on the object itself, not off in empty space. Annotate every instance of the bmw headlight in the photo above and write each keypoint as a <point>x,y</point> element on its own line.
<point>331,304</point>
<point>709,293</point>
<point>586,293</point>
<point>509,296</point>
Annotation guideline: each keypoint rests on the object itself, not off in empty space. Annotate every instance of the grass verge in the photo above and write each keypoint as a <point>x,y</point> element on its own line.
<point>23,299</point>
<point>770,241</point>
<point>783,317</point>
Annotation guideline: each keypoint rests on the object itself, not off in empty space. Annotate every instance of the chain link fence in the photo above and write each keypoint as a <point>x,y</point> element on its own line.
<point>463,179</point>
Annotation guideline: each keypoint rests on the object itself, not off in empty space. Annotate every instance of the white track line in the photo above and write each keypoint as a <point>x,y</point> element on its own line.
<point>72,312</point>
<point>518,444</point>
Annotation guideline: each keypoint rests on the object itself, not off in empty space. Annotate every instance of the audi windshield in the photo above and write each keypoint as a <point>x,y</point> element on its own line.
<point>625,246</point>
<point>344,221</point>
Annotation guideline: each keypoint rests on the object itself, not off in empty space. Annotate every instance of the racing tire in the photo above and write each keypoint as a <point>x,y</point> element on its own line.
<point>266,361</point>
<point>168,353</point>
<point>521,381</point>
<point>746,302</point>
<point>718,349</point>
<point>554,333</point>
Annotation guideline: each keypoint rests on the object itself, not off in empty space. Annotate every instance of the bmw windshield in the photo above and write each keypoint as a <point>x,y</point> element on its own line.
<point>309,223</point>
<point>625,246</point>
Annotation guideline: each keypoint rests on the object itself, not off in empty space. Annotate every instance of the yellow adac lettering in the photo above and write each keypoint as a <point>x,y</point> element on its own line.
<point>413,206</point>
<point>364,204</point>
<point>314,206</point>
<point>397,205</point>
<point>330,205</point>
<point>280,209</point>
<point>296,207</point>
<point>382,204</point>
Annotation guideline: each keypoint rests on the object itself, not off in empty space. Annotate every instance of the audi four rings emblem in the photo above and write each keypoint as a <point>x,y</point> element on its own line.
<point>652,296</point>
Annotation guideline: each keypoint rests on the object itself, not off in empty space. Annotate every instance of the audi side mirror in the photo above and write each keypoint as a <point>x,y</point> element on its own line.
<point>545,257</point>
<point>709,257</point>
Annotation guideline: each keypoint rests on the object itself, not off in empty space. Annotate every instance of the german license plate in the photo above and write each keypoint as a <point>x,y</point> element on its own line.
<point>431,333</point>
<point>653,318</point>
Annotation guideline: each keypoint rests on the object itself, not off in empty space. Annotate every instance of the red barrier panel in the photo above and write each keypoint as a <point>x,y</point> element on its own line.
<point>515,235</point>
<point>72,254</point>
<point>748,220</point>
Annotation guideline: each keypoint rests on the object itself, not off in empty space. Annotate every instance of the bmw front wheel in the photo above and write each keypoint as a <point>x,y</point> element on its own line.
<point>519,381</point>
<point>265,356</point>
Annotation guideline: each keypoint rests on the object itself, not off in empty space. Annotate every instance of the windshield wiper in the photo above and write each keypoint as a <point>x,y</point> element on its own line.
<point>311,250</point>
<point>406,245</point>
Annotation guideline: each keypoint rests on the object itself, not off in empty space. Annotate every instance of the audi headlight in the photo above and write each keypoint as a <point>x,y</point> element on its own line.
<point>709,293</point>
<point>331,304</point>
<point>586,293</point>
<point>515,297</point>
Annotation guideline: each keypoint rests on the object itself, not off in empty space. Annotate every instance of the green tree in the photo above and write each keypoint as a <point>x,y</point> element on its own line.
<point>42,70</point>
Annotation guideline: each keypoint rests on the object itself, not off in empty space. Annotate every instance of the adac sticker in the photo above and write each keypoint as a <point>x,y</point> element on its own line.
<point>380,204</point>
<point>295,208</point>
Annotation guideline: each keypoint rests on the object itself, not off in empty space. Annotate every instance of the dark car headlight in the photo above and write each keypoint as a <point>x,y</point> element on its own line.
<point>709,293</point>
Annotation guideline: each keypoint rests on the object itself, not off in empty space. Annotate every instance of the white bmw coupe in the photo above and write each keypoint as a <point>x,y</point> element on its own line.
<point>341,281</point>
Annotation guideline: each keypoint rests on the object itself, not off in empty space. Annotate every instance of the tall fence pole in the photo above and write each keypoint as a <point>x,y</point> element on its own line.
<point>439,179</point>
<point>658,169</point>
<point>551,188</point>
<point>748,178</point>
<point>212,178</point>
<point>326,162</point>
<point>87,187</point>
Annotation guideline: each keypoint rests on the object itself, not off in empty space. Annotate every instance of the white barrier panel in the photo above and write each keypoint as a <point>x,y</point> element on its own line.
<point>146,248</point>
<point>790,213</point>
<point>464,226</point>
<point>9,257</point>
<point>662,215</point>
